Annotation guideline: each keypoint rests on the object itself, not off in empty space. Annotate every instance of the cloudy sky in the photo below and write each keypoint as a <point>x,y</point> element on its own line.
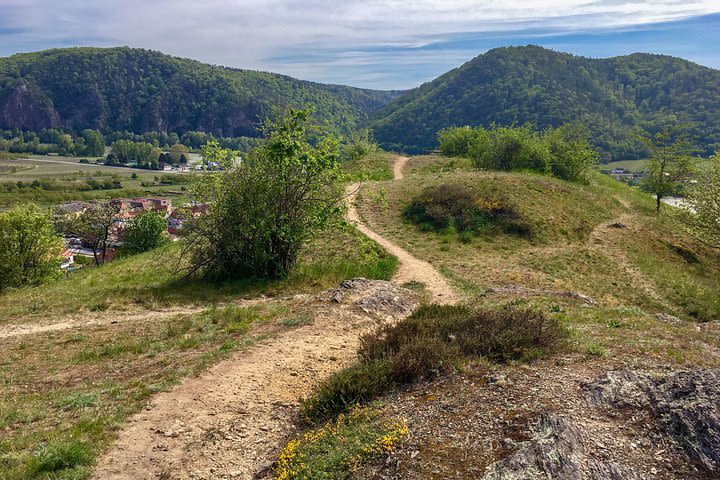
<point>368,43</point>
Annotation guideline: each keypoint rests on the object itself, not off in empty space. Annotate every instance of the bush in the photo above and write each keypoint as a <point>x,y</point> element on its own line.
<point>266,207</point>
<point>29,247</point>
<point>359,144</point>
<point>454,206</point>
<point>456,141</point>
<point>429,343</point>
<point>513,148</point>
<point>571,155</point>
<point>564,152</point>
<point>146,232</point>
<point>359,383</point>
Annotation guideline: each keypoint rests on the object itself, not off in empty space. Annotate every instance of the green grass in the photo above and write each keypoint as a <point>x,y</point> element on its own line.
<point>146,281</point>
<point>638,165</point>
<point>65,395</point>
<point>632,165</point>
<point>69,180</point>
<point>561,254</point>
<point>71,391</point>
<point>374,167</point>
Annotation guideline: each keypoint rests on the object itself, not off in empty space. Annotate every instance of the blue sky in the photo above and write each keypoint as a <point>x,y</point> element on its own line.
<point>388,44</point>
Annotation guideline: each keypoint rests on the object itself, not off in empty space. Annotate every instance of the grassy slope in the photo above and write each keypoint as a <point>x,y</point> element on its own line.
<point>633,273</point>
<point>65,393</point>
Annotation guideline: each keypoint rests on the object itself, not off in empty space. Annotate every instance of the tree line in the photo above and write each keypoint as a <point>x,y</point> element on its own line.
<point>564,152</point>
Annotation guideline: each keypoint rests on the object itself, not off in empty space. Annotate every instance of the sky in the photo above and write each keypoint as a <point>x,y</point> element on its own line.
<point>383,44</point>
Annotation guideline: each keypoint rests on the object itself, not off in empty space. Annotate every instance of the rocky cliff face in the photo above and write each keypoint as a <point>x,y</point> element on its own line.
<point>26,107</point>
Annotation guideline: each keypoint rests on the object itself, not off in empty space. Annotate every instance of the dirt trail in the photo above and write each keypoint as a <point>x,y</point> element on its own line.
<point>230,420</point>
<point>398,167</point>
<point>410,268</point>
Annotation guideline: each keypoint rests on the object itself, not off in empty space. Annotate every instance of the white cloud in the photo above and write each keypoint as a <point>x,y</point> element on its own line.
<point>254,33</point>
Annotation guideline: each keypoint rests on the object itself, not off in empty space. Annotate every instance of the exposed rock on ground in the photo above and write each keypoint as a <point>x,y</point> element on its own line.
<point>684,404</point>
<point>555,451</point>
<point>527,422</point>
<point>375,296</point>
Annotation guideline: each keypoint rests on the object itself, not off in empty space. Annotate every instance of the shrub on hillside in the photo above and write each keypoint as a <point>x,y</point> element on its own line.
<point>456,141</point>
<point>146,232</point>
<point>29,247</point>
<point>431,342</point>
<point>571,155</point>
<point>455,206</point>
<point>565,152</point>
<point>265,208</point>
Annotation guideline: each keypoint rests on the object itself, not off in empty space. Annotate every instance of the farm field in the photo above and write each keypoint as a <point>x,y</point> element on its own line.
<point>51,180</point>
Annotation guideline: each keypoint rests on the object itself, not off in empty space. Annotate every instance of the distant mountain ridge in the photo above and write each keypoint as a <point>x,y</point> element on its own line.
<point>613,97</point>
<point>141,90</point>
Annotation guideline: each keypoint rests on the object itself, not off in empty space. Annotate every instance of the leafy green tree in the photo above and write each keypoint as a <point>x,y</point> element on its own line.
<point>29,247</point>
<point>95,227</point>
<point>565,152</point>
<point>94,143</point>
<point>571,155</point>
<point>702,215</point>
<point>671,162</point>
<point>146,155</point>
<point>264,208</point>
<point>456,141</point>
<point>177,151</point>
<point>359,144</point>
<point>65,144</point>
<point>509,148</point>
<point>146,232</point>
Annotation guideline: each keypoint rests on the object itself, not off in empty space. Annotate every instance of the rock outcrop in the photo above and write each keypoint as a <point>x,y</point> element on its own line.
<point>684,404</point>
<point>556,451</point>
<point>26,107</point>
<point>375,296</point>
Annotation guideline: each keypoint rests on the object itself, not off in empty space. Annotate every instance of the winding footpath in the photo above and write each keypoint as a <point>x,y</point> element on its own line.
<point>228,422</point>
<point>410,268</point>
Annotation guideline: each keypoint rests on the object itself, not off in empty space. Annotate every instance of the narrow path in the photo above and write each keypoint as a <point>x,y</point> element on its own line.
<point>410,268</point>
<point>227,422</point>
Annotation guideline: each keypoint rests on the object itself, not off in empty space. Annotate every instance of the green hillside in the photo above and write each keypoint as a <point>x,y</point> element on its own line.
<point>612,97</point>
<point>141,90</point>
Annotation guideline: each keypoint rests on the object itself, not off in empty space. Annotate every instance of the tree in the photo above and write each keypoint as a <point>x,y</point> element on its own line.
<point>571,155</point>
<point>146,232</point>
<point>702,215</point>
<point>670,162</point>
<point>95,227</point>
<point>359,144</point>
<point>65,144</point>
<point>29,247</point>
<point>264,208</point>
<point>177,151</point>
<point>94,143</point>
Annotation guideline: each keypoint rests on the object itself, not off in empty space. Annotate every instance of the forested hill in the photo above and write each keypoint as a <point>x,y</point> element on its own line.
<point>141,90</point>
<point>612,97</point>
